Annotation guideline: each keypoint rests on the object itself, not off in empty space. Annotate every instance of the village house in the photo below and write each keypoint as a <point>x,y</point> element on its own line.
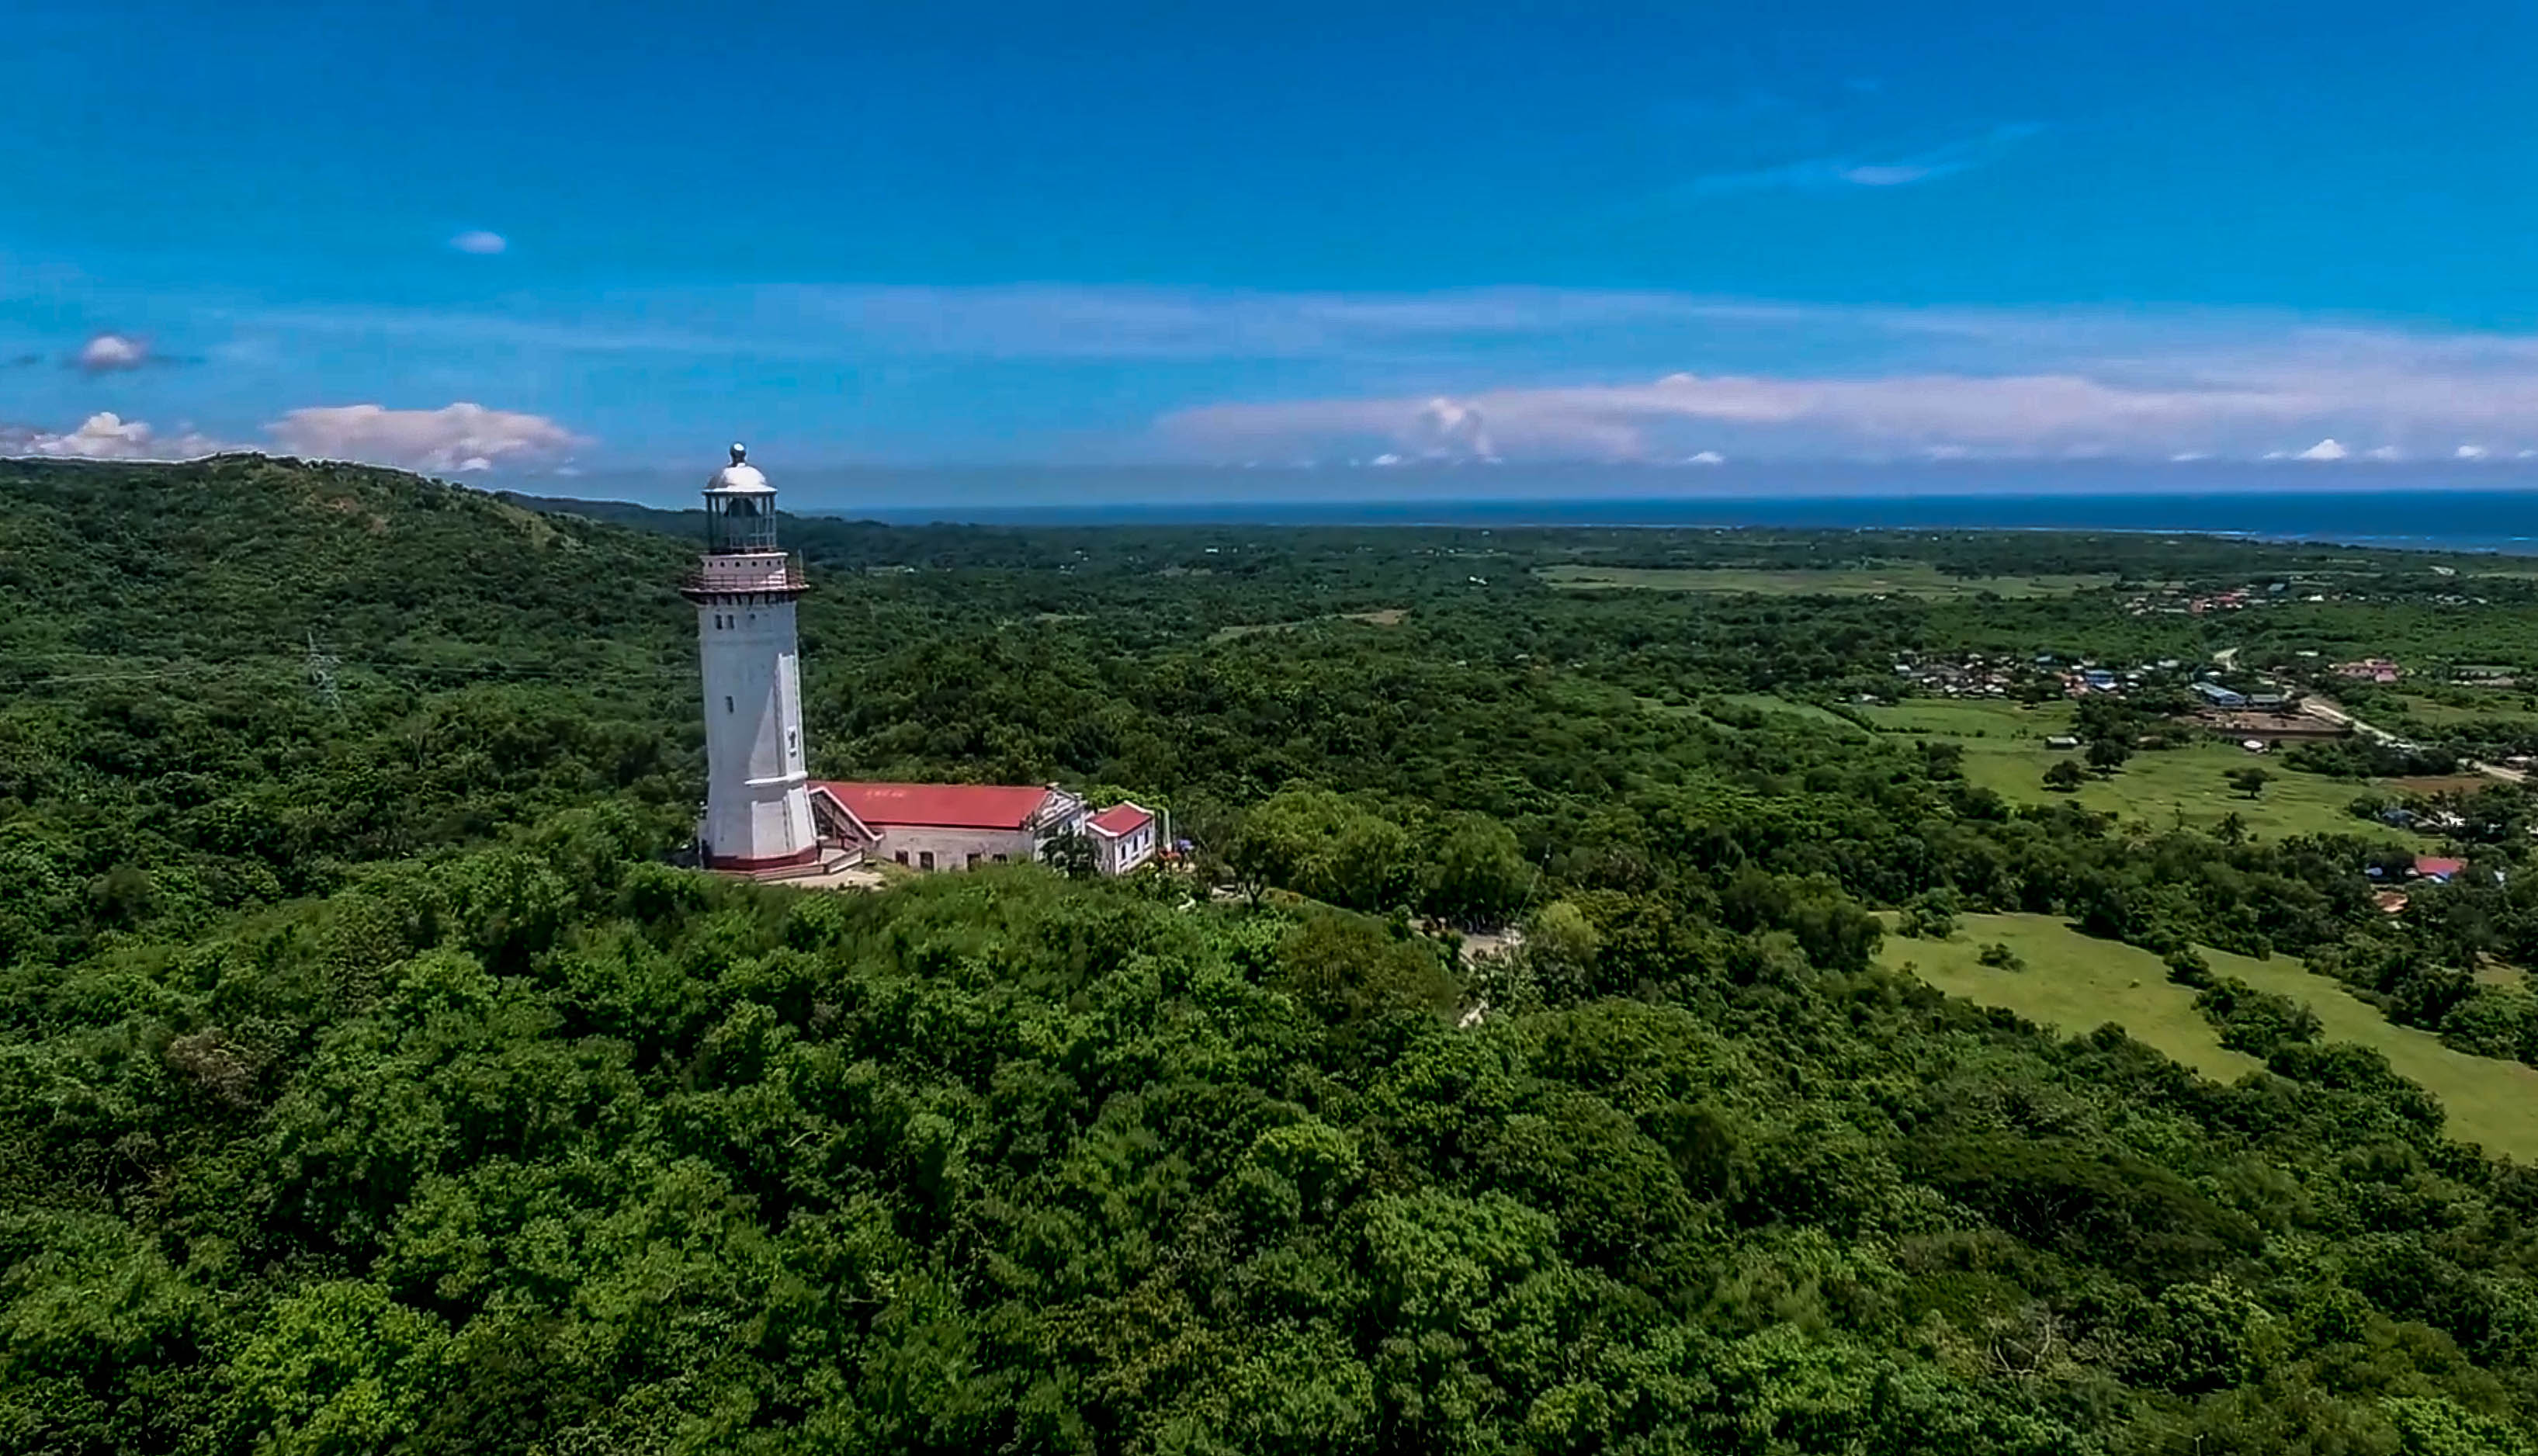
<point>1123,838</point>
<point>964,826</point>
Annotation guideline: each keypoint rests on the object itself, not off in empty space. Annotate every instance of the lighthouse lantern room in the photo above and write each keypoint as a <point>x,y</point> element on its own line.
<point>758,803</point>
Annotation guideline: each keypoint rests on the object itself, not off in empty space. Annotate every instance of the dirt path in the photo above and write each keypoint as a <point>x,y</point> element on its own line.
<point>2331,711</point>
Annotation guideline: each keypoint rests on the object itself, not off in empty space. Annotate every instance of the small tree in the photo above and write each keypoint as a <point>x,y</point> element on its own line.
<point>1931,916</point>
<point>1476,873</point>
<point>1070,854</point>
<point>2187,966</point>
<point>1999,956</point>
<point>2250,781</point>
<point>2064,776</point>
<point>2106,755</point>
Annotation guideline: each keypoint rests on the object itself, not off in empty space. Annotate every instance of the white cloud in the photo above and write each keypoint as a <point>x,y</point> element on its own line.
<point>2097,394</point>
<point>2017,414</point>
<point>1704,457</point>
<point>2384,453</point>
<point>479,241</point>
<point>1443,429</point>
<point>105,435</point>
<point>2470,453</point>
<point>106,354</point>
<point>459,437</point>
<point>1530,372</point>
<point>1892,170</point>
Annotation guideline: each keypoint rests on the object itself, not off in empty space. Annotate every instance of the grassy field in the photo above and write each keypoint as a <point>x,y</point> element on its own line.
<point>2505,710</point>
<point>2072,983</point>
<point>1949,718</point>
<point>1808,713</point>
<point>1896,579</point>
<point>1765,702</point>
<point>2075,984</point>
<point>1380,617</point>
<point>2005,752</point>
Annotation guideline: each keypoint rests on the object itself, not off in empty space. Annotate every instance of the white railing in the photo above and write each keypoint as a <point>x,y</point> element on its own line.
<point>778,576</point>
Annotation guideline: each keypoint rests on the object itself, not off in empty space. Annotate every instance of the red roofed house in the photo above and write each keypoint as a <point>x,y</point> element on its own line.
<point>1123,838</point>
<point>2432,868</point>
<point>942,825</point>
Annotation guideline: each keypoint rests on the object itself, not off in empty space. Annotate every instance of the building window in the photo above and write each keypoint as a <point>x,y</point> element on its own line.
<point>902,856</point>
<point>925,859</point>
<point>973,860</point>
<point>727,708</point>
<point>1000,859</point>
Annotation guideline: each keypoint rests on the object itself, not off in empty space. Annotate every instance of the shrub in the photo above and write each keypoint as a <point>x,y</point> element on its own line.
<point>2187,967</point>
<point>1999,956</point>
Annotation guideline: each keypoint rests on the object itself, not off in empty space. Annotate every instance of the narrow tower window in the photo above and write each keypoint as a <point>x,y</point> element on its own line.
<point>727,708</point>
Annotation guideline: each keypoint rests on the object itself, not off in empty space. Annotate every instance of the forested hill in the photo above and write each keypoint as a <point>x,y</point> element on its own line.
<point>372,1081</point>
<point>166,755</point>
<point>240,558</point>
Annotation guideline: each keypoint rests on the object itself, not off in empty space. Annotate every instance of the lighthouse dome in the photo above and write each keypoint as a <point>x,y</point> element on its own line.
<point>740,477</point>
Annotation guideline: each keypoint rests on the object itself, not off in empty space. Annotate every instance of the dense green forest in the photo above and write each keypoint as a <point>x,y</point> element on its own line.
<point>371,1079</point>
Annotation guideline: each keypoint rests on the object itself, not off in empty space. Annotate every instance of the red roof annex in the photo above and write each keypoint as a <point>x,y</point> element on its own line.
<point>1120,818</point>
<point>965,806</point>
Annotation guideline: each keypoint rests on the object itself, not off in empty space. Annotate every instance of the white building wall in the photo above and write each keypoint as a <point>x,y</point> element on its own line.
<point>757,803</point>
<point>1126,852</point>
<point>952,848</point>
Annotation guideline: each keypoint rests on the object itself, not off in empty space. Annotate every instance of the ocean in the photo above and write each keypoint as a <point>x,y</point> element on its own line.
<point>2442,520</point>
<point>2489,506</point>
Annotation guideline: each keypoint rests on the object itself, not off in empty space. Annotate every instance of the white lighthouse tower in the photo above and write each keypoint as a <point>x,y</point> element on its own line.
<point>757,805</point>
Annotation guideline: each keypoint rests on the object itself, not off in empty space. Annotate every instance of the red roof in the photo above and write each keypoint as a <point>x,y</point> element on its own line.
<point>960,806</point>
<point>2426,864</point>
<point>1120,818</point>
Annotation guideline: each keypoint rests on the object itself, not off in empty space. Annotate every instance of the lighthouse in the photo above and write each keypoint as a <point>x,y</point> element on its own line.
<point>757,802</point>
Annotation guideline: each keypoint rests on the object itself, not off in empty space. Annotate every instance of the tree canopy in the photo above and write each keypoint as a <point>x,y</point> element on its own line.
<point>372,1078</point>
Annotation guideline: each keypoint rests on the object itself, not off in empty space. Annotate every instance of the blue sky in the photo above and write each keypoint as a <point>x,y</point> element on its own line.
<point>525,238</point>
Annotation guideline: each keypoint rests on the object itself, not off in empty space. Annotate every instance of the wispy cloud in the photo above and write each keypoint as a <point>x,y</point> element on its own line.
<point>1519,373</point>
<point>2404,396</point>
<point>1873,169</point>
<point>480,243</point>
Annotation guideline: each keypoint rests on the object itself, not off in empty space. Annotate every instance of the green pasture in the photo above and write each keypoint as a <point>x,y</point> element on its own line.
<point>2005,752</point>
<point>2077,983</point>
<point>1380,617</point>
<point>2504,708</point>
<point>2072,982</point>
<point>1765,702</point>
<point>1969,718</point>
<point>1882,579</point>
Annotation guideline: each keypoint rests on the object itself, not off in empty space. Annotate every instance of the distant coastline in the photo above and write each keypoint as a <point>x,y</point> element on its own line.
<point>2426,519</point>
<point>2438,506</point>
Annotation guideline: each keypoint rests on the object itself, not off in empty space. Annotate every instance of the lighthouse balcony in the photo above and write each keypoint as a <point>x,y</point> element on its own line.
<point>753,574</point>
